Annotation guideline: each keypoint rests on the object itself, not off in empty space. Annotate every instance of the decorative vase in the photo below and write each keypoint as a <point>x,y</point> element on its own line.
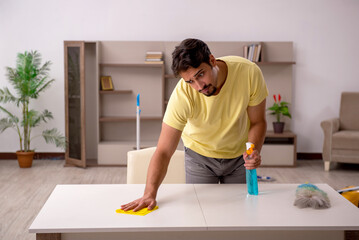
<point>25,159</point>
<point>278,127</point>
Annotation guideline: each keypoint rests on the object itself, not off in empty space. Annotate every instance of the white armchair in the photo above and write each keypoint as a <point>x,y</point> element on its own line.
<point>138,161</point>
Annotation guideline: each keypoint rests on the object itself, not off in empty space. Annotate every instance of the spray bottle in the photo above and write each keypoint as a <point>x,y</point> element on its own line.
<point>251,175</point>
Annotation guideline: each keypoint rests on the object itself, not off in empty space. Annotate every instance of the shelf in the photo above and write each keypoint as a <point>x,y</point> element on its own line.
<point>116,92</point>
<point>285,134</point>
<point>287,137</point>
<point>145,65</point>
<point>112,115</point>
<point>131,144</point>
<point>123,119</point>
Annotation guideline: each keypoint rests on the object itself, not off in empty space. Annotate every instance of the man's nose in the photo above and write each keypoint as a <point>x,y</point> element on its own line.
<point>200,85</point>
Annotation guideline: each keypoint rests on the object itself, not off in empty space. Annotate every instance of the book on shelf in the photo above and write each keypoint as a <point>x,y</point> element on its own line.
<point>154,57</point>
<point>258,56</point>
<point>154,62</point>
<point>253,52</point>
<point>154,53</point>
<point>245,50</point>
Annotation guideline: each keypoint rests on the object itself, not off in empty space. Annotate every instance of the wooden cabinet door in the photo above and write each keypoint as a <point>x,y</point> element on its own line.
<point>75,102</point>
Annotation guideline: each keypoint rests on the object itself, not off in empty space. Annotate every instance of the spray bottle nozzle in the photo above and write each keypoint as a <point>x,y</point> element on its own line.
<point>250,149</point>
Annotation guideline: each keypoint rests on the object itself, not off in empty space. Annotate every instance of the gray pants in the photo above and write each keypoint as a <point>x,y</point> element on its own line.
<point>201,169</point>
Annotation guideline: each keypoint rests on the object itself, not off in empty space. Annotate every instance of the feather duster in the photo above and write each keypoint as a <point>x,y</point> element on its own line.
<point>309,195</point>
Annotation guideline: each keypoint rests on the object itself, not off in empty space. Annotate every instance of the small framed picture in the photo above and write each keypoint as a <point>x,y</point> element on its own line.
<point>106,83</point>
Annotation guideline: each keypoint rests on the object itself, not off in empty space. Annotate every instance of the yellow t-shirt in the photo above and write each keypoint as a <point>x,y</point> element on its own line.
<point>217,126</point>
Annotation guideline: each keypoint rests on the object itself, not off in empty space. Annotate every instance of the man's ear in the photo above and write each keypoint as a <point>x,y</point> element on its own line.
<point>212,60</point>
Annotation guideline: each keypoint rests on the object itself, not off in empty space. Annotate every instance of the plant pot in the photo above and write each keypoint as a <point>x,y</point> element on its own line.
<point>25,159</point>
<point>278,127</point>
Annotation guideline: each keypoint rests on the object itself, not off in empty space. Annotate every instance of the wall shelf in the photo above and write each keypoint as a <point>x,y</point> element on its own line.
<point>133,143</point>
<point>110,115</point>
<point>285,134</point>
<point>144,65</point>
<point>123,119</point>
<point>116,92</point>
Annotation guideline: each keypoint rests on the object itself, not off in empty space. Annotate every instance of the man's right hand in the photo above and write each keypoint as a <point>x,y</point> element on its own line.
<point>140,203</point>
<point>157,169</point>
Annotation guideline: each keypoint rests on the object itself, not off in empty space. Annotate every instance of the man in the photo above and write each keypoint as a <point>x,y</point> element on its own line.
<point>217,106</point>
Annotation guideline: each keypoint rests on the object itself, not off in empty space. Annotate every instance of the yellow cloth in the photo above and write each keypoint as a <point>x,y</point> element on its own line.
<point>217,126</point>
<point>141,212</point>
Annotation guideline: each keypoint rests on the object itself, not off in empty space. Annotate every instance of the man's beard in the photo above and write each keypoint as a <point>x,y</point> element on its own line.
<point>210,92</point>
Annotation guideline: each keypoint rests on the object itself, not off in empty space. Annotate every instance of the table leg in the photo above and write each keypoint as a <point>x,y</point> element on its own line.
<point>48,236</point>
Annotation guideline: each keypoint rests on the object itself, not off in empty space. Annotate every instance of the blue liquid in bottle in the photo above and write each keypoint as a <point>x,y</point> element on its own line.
<point>252,182</point>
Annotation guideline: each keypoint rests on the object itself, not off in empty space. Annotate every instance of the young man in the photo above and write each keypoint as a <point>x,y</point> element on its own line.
<point>217,106</point>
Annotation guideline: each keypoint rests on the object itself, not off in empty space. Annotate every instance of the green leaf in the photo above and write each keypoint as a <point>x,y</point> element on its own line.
<point>46,115</point>
<point>287,114</point>
<point>284,110</point>
<point>43,71</point>
<point>15,119</point>
<point>280,109</point>
<point>33,118</point>
<point>6,123</point>
<point>53,136</point>
<point>44,86</point>
<point>6,96</point>
<point>273,108</point>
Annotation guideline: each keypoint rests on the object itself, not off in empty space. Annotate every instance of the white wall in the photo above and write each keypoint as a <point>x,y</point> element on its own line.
<point>324,32</point>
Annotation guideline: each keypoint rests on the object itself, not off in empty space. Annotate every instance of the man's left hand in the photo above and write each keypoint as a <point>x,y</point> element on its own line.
<point>253,161</point>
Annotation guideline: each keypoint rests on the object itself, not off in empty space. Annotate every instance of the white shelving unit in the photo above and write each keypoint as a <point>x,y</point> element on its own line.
<point>111,115</point>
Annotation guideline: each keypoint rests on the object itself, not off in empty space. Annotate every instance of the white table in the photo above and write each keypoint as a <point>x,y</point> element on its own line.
<point>191,212</point>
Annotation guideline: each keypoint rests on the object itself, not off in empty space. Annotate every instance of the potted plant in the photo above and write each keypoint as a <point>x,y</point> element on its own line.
<point>28,79</point>
<point>278,109</point>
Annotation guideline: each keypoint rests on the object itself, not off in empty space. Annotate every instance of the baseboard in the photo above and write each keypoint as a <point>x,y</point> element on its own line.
<point>38,155</point>
<point>309,156</point>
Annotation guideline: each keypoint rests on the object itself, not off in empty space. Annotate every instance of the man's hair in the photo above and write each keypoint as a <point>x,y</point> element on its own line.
<point>190,53</point>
